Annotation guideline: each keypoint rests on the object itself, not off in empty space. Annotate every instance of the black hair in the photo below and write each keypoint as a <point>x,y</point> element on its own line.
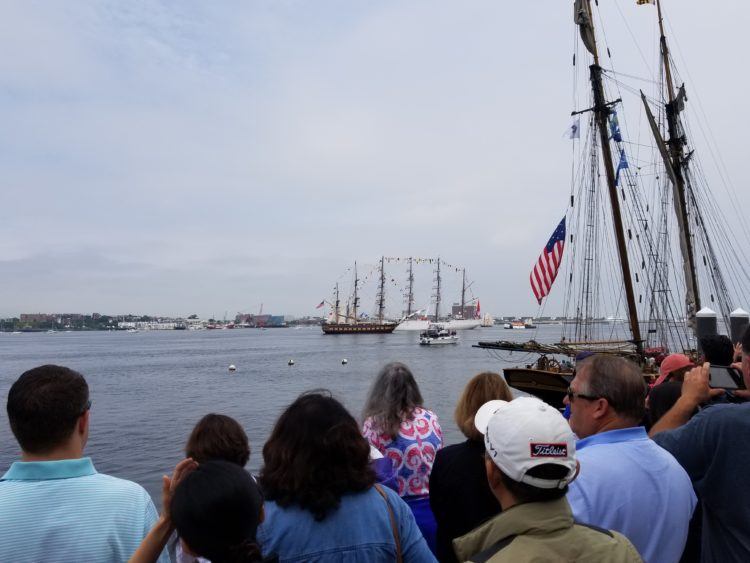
<point>216,510</point>
<point>44,405</point>
<point>524,492</point>
<point>315,454</point>
<point>717,349</point>
<point>661,398</point>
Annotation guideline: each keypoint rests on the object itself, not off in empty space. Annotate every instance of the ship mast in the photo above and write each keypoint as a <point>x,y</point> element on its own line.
<point>463,293</point>
<point>601,113</point>
<point>381,291</point>
<point>437,291</point>
<point>410,295</point>
<point>675,143</point>
<point>337,311</point>
<point>355,301</point>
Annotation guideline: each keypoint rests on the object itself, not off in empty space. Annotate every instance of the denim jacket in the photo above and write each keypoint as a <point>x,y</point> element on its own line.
<point>359,530</point>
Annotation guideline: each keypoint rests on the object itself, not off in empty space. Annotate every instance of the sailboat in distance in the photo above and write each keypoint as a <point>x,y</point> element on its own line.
<point>459,321</point>
<point>651,247</point>
<point>351,322</point>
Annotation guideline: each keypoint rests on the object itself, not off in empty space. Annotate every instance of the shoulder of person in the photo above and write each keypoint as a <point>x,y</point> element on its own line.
<point>398,505</point>
<point>611,545</point>
<point>712,417</point>
<point>123,486</point>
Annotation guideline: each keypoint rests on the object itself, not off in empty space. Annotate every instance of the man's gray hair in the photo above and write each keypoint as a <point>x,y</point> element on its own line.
<point>618,380</point>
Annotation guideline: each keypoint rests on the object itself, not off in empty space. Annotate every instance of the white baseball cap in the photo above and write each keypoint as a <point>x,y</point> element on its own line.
<point>524,433</point>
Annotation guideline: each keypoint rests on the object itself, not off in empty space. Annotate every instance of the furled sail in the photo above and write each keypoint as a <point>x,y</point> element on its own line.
<point>582,18</point>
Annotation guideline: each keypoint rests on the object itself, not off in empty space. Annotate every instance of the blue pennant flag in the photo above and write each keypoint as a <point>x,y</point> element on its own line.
<point>622,165</point>
<point>614,127</point>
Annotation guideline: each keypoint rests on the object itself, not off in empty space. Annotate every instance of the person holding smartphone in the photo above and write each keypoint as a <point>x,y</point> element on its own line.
<point>712,448</point>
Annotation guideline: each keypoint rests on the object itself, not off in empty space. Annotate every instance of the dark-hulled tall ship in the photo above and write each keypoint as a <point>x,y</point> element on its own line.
<point>350,323</point>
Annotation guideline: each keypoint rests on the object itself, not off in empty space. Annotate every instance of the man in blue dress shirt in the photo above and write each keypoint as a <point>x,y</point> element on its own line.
<point>54,506</point>
<point>627,483</point>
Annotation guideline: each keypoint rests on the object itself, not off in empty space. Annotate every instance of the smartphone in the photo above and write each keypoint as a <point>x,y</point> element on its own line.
<point>725,377</point>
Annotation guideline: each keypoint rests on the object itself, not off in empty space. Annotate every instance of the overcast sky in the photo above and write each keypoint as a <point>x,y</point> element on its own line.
<point>186,157</point>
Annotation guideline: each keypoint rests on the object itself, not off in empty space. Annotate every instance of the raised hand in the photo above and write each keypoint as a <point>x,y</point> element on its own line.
<point>696,388</point>
<point>169,484</point>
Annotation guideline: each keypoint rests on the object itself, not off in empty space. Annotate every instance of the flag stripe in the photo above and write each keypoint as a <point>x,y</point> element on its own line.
<point>544,272</point>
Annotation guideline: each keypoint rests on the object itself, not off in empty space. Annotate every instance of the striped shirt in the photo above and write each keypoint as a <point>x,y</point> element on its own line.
<point>64,511</point>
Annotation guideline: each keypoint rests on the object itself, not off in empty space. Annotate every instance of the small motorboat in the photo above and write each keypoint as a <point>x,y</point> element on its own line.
<point>437,334</point>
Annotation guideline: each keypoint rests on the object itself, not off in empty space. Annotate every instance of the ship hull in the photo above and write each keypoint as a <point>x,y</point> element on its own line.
<point>549,386</point>
<point>359,328</point>
<point>455,324</point>
<point>439,341</point>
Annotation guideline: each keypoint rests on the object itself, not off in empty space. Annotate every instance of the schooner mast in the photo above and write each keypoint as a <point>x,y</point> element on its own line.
<point>601,109</point>
<point>675,162</point>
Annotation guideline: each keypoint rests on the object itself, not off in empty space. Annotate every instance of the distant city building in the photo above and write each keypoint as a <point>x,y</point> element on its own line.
<point>260,321</point>
<point>37,318</point>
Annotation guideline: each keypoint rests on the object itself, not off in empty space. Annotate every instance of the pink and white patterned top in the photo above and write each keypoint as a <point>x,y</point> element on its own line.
<point>412,451</point>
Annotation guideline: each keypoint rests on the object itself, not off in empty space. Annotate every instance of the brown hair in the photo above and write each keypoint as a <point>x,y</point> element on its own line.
<point>315,455</point>
<point>219,437</point>
<point>481,388</point>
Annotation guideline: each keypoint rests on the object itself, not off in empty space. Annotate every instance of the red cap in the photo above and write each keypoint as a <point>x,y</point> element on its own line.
<point>672,363</point>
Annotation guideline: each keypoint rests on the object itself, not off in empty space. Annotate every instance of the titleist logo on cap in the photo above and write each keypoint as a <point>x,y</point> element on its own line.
<point>549,450</point>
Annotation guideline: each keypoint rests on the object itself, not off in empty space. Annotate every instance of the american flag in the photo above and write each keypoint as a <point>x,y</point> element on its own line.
<point>545,270</point>
<point>321,304</point>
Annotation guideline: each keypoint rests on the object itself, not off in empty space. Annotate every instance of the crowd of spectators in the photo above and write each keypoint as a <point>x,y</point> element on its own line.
<point>627,473</point>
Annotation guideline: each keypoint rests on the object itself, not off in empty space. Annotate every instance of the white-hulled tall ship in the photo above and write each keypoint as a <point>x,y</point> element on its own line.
<point>422,323</point>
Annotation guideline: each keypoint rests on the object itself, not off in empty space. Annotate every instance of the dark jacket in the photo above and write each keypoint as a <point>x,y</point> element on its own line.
<point>460,497</point>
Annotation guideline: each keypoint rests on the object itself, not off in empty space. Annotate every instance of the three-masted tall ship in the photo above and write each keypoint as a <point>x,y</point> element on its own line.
<point>350,322</point>
<point>644,210</point>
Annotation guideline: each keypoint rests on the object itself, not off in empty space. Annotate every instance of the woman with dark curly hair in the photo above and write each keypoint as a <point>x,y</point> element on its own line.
<point>397,424</point>
<point>321,499</point>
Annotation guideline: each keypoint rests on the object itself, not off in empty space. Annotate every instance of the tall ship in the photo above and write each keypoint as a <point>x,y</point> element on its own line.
<point>644,239</point>
<point>350,322</point>
<point>419,321</point>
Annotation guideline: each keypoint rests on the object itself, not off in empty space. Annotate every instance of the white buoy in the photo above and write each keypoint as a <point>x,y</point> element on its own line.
<point>344,362</point>
<point>232,367</point>
<point>290,362</point>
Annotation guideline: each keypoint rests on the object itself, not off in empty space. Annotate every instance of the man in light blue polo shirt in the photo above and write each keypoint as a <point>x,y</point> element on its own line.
<point>54,506</point>
<point>627,483</point>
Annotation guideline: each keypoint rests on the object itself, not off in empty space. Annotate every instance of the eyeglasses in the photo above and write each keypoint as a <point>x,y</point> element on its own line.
<point>572,395</point>
<point>87,406</point>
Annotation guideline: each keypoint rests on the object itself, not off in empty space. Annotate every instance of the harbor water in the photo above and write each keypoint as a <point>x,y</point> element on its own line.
<point>148,389</point>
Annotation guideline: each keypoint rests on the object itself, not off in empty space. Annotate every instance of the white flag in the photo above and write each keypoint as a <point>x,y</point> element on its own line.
<point>574,131</point>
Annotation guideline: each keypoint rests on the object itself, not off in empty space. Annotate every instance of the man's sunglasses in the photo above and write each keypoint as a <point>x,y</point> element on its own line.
<point>572,395</point>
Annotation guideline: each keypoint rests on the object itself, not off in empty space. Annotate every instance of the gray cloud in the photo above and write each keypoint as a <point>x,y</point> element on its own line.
<point>201,157</point>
